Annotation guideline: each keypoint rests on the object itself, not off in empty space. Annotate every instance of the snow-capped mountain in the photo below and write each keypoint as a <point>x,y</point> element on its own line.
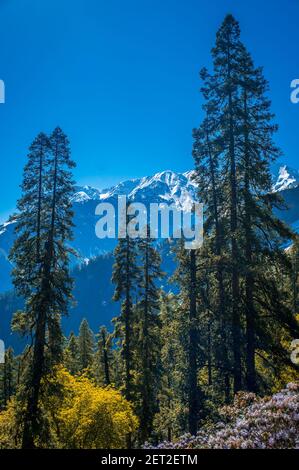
<point>167,186</point>
<point>284,177</point>
<point>164,187</point>
<point>171,187</point>
<point>85,193</point>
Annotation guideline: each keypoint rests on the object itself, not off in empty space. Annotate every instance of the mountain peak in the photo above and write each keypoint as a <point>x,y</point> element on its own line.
<point>85,193</point>
<point>284,177</point>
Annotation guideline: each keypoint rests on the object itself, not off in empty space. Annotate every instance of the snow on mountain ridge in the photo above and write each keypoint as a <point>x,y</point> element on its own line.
<point>176,188</point>
<point>85,193</point>
<point>4,226</point>
<point>80,196</point>
<point>285,177</point>
<point>167,185</point>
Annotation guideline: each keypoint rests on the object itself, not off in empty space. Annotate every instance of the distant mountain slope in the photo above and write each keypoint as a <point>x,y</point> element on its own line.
<point>93,292</point>
<point>92,299</point>
<point>164,187</point>
<point>6,241</point>
<point>170,187</point>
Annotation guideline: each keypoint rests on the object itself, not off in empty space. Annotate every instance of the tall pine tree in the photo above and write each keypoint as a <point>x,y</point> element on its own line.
<point>85,345</point>
<point>40,256</point>
<point>233,150</point>
<point>125,277</point>
<point>148,346</point>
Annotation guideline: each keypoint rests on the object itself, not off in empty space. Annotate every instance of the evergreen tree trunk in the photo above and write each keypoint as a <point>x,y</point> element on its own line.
<point>39,203</point>
<point>295,254</point>
<point>249,281</point>
<point>8,375</point>
<point>219,275</point>
<point>210,381</point>
<point>86,345</point>
<point>146,415</point>
<point>128,320</point>
<point>236,326</point>
<point>105,358</point>
<point>31,418</point>
<point>31,421</point>
<point>127,345</point>
<point>125,276</point>
<point>193,347</point>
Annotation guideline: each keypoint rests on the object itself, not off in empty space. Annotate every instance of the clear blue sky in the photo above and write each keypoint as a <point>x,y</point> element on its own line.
<point>121,78</point>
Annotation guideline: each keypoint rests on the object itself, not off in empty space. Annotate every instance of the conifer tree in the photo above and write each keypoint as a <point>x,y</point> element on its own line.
<point>148,345</point>
<point>294,252</point>
<point>31,219</point>
<point>234,147</point>
<point>40,255</point>
<point>55,341</point>
<point>226,55</point>
<point>187,278</point>
<point>8,375</point>
<point>71,354</point>
<point>208,178</point>
<point>171,420</point>
<point>105,353</point>
<point>125,277</point>
<point>85,344</point>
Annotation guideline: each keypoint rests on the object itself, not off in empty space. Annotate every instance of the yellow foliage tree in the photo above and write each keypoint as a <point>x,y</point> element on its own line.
<point>79,414</point>
<point>8,427</point>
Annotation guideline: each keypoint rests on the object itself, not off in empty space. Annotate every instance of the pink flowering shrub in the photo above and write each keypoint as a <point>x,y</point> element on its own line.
<point>251,423</point>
